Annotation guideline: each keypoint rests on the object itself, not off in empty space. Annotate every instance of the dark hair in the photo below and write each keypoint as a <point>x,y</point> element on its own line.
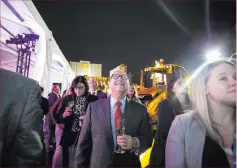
<point>134,94</point>
<point>41,89</point>
<point>170,86</point>
<point>80,79</point>
<point>54,87</point>
<point>173,99</point>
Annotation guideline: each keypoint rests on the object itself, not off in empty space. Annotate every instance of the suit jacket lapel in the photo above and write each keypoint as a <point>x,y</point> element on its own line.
<point>127,113</point>
<point>107,117</point>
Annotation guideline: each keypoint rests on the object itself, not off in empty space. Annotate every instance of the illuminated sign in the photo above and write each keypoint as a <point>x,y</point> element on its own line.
<point>84,65</point>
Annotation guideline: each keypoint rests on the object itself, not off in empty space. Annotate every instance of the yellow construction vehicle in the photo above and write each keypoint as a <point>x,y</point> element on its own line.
<point>153,89</point>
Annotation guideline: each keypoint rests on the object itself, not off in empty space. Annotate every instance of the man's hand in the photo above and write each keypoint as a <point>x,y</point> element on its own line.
<point>81,120</point>
<point>82,117</point>
<point>66,113</point>
<point>125,141</point>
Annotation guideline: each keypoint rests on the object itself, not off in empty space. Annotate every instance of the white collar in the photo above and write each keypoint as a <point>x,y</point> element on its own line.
<point>113,101</point>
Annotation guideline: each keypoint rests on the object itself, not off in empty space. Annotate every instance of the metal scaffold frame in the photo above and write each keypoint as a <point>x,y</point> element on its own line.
<point>25,46</point>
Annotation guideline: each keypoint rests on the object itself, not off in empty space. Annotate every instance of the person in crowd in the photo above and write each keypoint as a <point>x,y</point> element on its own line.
<point>45,107</point>
<point>44,103</point>
<point>177,102</point>
<point>234,150</point>
<point>204,137</point>
<point>49,126</point>
<point>93,89</point>
<point>102,141</point>
<point>59,127</point>
<point>54,95</point>
<point>72,114</point>
<point>20,121</point>
<point>131,93</point>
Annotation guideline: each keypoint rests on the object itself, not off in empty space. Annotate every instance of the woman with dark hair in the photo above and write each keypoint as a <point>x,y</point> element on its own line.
<point>72,112</point>
<point>131,93</point>
<point>178,101</point>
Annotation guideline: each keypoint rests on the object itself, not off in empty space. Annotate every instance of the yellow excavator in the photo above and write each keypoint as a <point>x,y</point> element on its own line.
<point>153,89</point>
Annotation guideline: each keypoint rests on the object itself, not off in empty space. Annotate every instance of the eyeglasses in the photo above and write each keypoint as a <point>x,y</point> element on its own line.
<point>80,88</point>
<point>117,76</point>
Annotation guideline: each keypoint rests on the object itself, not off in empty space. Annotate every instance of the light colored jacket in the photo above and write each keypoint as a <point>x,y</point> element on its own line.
<point>185,143</point>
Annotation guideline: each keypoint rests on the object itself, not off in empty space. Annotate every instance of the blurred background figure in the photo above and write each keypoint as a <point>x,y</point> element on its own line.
<point>49,126</point>
<point>94,90</point>
<point>131,93</point>
<point>54,110</point>
<point>178,101</point>
<point>20,122</point>
<point>234,150</point>
<point>204,136</point>
<point>45,108</point>
<point>44,103</point>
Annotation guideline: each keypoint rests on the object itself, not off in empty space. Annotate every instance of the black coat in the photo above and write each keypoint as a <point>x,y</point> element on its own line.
<point>166,114</point>
<point>69,137</point>
<point>44,105</point>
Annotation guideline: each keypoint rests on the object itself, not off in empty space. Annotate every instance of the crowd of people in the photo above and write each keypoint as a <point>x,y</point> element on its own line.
<point>86,127</point>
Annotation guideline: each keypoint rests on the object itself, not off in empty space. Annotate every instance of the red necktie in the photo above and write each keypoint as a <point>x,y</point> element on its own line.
<point>118,115</point>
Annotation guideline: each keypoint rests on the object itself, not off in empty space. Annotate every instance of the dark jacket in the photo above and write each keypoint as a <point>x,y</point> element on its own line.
<point>69,137</point>
<point>166,114</point>
<point>52,97</point>
<point>101,95</point>
<point>44,105</point>
<point>54,110</point>
<point>20,121</point>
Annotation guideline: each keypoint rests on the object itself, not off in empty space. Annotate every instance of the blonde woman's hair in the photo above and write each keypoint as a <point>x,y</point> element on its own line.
<point>199,99</point>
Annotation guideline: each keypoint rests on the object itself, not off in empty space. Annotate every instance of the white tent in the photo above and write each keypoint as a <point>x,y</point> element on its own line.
<point>48,64</point>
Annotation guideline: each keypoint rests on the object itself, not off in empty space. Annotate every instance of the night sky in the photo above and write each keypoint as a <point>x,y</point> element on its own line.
<point>137,34</point>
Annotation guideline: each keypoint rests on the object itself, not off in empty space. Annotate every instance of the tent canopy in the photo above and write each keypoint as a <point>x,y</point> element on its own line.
<point>18,17</point>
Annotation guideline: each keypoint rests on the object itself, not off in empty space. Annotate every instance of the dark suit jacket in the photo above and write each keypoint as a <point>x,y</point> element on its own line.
<point>96,139</point>
<point>44,105</point>
<point>166,114</point>
<point>52,98</point>
<point>20,121</point>
<point>101,95</point>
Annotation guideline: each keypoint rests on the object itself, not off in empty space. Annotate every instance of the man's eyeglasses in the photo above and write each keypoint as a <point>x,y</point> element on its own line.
<point>117,76</point>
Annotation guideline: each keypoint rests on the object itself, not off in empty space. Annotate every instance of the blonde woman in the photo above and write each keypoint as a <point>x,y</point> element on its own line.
<point>204,137</point>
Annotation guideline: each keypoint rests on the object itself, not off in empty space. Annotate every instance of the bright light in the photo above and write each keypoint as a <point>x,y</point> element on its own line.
<point>213,55</point>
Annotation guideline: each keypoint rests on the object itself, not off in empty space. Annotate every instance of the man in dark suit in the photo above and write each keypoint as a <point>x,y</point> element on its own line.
<point>92,89</point>
<point>20,121</point>
<point>44,103</point>
<point>98,139</point>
